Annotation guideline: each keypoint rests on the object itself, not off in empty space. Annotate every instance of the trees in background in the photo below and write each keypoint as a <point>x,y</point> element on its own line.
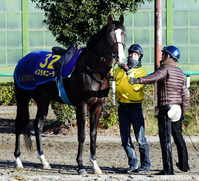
<point>74,21</point>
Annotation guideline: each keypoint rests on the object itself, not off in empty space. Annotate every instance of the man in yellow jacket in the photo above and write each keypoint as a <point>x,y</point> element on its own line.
<point>130,99</point>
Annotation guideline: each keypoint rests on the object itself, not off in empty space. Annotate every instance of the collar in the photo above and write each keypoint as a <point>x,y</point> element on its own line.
<point>139,64</point>
<point>169,62</point>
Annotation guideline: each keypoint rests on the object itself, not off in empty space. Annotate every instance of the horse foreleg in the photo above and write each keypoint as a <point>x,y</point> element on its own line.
<point>96,168</point>
<point>38,127</point>
<point>81,120</point>
<point>93,136</point>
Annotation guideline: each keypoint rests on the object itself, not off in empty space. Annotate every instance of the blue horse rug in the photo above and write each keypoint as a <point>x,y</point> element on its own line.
<point>37,68</point>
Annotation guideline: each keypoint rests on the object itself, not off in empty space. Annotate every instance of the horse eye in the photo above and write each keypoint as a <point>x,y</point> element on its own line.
<point>124,34</point>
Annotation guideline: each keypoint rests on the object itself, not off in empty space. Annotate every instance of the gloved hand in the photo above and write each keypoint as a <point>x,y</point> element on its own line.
<point>133,81</point>
<point>124,67</point>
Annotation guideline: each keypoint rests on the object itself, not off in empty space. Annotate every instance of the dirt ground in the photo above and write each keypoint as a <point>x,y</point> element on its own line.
<point>60,152</point>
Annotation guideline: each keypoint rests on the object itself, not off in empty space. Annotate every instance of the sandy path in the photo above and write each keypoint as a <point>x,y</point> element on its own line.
<point>60,152</point>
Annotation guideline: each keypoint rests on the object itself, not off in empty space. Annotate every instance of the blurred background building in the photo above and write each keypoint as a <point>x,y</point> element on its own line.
<point>22,31</point>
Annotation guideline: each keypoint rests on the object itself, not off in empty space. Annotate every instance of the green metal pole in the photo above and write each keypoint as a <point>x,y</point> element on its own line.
<point>169,22</point>
<point>24,27</point>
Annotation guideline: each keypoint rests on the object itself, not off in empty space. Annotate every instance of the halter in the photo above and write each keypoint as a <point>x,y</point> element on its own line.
<point>101,58</point>
<point>112,54</point>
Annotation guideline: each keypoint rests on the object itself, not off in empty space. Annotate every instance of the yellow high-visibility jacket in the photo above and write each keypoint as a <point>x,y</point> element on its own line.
<point>125,92</point>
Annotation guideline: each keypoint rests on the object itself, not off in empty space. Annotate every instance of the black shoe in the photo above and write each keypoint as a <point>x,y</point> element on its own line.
<point>142,170</point>
<point>130,169</point>
<point>177,164</point>
<point>163,172</point>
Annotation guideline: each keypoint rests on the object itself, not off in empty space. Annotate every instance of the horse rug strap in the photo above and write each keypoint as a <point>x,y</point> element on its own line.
<point>59,66</point>
<point>62,92</point>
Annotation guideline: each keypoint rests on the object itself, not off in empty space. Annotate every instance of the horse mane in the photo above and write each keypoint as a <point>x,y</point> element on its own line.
<point>96,37</point>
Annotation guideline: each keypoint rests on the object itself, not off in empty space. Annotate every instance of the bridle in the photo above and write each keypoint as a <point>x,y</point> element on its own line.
<point>110,52</point>
<point>111,55</point>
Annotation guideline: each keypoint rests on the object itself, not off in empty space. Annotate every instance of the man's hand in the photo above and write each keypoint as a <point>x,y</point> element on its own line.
<point>133,81</point>
<point>124,67</point>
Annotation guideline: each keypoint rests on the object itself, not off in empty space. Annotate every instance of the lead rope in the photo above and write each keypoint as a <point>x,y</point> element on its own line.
<point>112,77</point>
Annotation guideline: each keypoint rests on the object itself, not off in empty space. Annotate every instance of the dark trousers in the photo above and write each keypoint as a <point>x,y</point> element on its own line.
<point>176,130</point>
<point>166,127</point>
<point>131,114</point>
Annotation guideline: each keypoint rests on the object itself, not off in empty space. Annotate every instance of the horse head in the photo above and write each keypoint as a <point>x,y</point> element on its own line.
<point>116,38</point>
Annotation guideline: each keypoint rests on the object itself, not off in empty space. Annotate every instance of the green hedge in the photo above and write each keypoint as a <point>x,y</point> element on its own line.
<point>7,95</point>
<point>66,114</point>
<point>192,115</point>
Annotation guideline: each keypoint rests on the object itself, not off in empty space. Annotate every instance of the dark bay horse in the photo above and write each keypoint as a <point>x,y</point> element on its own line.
<point>87,88</point>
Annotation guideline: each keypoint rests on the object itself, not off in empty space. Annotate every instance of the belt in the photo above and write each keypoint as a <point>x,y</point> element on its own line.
<point>130,104</point>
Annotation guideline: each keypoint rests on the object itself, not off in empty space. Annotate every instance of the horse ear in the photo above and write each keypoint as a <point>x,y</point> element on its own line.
<point>110,19</point>
<point>121,19</point>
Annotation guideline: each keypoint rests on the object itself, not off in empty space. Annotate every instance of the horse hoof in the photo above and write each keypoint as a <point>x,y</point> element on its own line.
<point>97,171</point>
<point>18,166</point>
<point>82,172</point>
<point>46,166</point>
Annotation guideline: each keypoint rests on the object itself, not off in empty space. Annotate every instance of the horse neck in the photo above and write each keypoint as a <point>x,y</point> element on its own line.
<point>98,50</point>
<point>100,68</point>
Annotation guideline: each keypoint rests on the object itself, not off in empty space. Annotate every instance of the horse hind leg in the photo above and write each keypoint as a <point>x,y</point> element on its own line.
<point>21,126</point>
<point>45,164</point>
<point>18,163</point>
<point>42,112</point>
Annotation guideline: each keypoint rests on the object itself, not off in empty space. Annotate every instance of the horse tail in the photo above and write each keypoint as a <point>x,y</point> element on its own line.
<point>28,141</point>
<point>27,138</point>
<point>22,122</point>
<point>26,131</point>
